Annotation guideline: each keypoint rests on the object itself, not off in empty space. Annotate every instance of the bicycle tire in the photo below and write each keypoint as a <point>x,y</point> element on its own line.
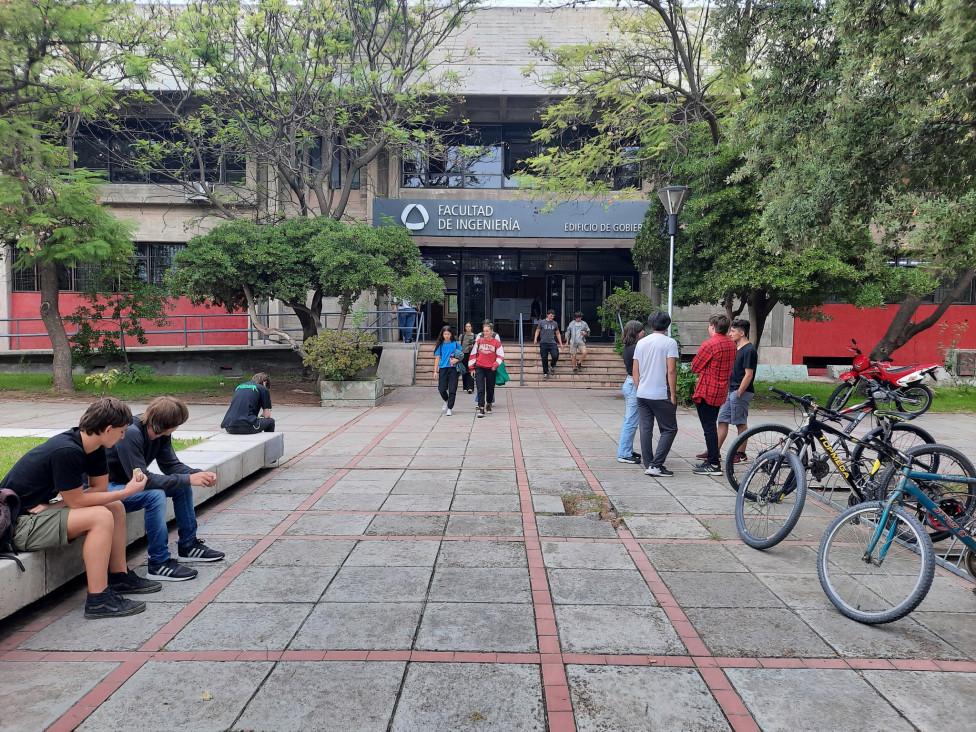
<point>903,442</point>
<point>915,399</point>
<point>770,515</point>
<point>969,562</point>
<point>866,591</point>
<point>758,440</point>
<point>840,396</point>
<point>956,499</point>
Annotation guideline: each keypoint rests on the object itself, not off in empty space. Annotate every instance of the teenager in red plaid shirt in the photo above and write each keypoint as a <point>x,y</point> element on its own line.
<point>713,364</point>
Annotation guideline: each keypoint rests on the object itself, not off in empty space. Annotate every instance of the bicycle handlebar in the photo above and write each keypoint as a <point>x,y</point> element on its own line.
<point>809,403</point>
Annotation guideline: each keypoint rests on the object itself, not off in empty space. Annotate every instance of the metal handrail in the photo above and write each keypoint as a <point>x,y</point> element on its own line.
<point>416,345</point>
<point>521,353</point>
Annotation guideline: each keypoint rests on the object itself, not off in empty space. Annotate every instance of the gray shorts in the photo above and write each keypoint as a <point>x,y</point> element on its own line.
<point>577,348</point>
<point>41,530</point>
<point>736,409</point>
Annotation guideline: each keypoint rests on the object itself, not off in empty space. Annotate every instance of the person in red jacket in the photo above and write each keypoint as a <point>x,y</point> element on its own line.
<point>486,356</point>
<point>713,364</point>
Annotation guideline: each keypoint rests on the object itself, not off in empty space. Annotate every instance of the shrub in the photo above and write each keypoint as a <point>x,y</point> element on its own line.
<point>339,355</point>
<point>626,304</point>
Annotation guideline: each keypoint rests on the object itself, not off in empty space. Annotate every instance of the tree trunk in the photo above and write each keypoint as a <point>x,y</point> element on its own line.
<point>760,306</point>
<point>902,328</point>
<point>51,317</point>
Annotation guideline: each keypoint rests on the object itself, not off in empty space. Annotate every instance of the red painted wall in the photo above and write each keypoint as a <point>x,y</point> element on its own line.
<point>830,339</point>
<point>24,311</point>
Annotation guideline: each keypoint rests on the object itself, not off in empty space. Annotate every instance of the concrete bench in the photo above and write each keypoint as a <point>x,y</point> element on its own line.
<point>231,457</point>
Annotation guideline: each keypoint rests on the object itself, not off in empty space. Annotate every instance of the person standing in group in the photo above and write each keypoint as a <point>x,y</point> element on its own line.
<point>576,333</point>
<point>467,343</point>
<point>485,358</point>
<point>633,332</point>
<point>655,372</point>
<point>406,318</point>
<point>249,399</point>
<point>447,355</point>
<point>713,364</point>
<point>741,387</point>
<point>546,334</point>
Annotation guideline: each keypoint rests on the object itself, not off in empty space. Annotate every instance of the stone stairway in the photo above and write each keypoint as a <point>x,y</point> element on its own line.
<point>603,369</point>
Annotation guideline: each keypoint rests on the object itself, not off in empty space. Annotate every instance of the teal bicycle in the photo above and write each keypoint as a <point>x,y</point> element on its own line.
<point>876,560</point>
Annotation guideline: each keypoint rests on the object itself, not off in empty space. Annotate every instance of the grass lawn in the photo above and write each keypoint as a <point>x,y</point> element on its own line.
<point>12,448</point>
<point>959,399</point>
<point>153,386</point>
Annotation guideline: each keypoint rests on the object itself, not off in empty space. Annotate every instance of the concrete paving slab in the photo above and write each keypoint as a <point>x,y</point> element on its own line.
<point>850,701</point>
<point>45,691</point>
<point>616,629</point>
<point>567,481</point>
<point>470,697</point>
<point>778,559</point>
<point>482,554</point>
<point>470,584</point>
<point>678,527</point>
<point>906,690</point>
<point>719,589</point>
<point>599,587</point>
<point>379,584</point>
<point>481,626</point>
<point>407,526</point>
<point>278,584</point>
<point>394,553</point>
<point>305,553</point>
<point>359,626</point>
<point>711,557</point>
<point>956,629</point>
<point>347,695</point>
<point>587,526</point>
<point>127,634</point>
<point>139,703</point>
<point>631,503</point>
<point>269,502</point>
<point>414,487</point>
<point>578,555</point>
<point>418,502</point>
<point>289,484</point>
<point>634,699</point>
<point>484,526</point>
<point>467,502</point>
<point>797,590</point>
<point>350,501</point>
<point>341,524</point>
<point>257,524</point>
<point>751,632</point>
<point>542,503</point>
<point>247,626</point>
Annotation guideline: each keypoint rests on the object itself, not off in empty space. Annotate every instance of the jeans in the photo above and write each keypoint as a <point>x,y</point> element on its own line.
<point>485,379</point>
<point>406,319</point>
<point>708,416</point>
<point>261,424</point>
<point>154,503</point>
<point>625,445</point>
<point>552,350</point>
<point>666,415</point>
<point>447,379</point>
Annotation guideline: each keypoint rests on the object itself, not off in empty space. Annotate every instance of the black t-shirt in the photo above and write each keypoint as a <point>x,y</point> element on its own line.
<point>249,398</point>
<point>60,464</point>
<point>747,357</point>
<point>628,356</point>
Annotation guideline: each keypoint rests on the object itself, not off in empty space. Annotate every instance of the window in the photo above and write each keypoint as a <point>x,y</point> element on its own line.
<point>151,261</point>
<point>335,179</point>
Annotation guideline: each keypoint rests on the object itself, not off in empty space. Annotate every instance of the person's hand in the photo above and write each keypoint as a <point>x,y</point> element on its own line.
<point>39,507</point>
<point>494,367</point>
<point>205,479</point>
<point>137,483</point>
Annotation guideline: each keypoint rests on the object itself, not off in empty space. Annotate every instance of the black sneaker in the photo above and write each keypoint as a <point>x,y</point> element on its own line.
<point>481,412</point>
<point>632,460</point>
<point>488,408</point>
<point>545,377</point>
<point>170,571</point>
<point>130,583</point>
<point>109,605</point>
<point>706,468</point>
<point>636,456</point>
<point>199,552</point>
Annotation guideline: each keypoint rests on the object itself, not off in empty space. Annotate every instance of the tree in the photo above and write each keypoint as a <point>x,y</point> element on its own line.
<point>861,128</point>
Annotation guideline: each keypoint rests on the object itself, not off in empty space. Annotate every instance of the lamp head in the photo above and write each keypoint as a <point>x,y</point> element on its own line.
<point>674,198</point>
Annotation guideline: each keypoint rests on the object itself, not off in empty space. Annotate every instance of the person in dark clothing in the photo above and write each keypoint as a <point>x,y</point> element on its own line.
<point>447,355</point>
<point>249,399</point>
<point>148,438</point>
<point>546,334</point>
<point>467,340</point>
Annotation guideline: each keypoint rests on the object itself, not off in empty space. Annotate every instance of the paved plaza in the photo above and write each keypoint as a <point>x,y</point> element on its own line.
<point>393,574</point>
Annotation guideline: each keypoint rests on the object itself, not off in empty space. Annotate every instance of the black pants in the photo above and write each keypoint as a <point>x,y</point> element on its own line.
<point>485,379</point>
<point>708,416</point>
<point>261,424</point>
<point>549,349</point>
<point>447,379</point>
<point>666,415</point>
<point>467,380</point>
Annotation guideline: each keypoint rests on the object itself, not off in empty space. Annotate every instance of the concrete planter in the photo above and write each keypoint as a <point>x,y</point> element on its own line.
<point>351,393</point>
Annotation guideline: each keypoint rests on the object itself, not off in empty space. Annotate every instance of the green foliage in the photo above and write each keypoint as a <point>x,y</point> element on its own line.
<point>106,380</point>
<point>340,355</point>
<point>624,304</point>
<point>687,381</point>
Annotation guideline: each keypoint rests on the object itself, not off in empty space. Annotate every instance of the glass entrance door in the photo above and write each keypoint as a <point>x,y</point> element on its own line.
<point>474,300</point>
<point>561,297</point>
<point>593,291</point>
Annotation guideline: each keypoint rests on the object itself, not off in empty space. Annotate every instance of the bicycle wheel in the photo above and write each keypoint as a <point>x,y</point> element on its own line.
<point>842,395</point>
<point>955,497</point>
<point>757,440</point>
<point>875,591</point>
<point>777,484</point>
<point>969,562</point>
<point>903,437</point>
<point>914,399</point>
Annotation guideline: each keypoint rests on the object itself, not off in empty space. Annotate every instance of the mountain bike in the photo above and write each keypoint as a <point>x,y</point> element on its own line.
<point>771,495</point>
<point>876,561</point>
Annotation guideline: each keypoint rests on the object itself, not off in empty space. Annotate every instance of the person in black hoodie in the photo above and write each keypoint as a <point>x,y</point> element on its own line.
<point>148,439</point>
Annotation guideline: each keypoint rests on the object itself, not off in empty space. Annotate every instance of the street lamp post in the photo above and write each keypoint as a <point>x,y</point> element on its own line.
<point>674,199</point>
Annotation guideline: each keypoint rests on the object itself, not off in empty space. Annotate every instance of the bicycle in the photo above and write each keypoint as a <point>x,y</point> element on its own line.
<point>767,513</point>
<point>876,562</point>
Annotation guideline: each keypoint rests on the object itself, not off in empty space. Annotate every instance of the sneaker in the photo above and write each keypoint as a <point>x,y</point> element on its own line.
<point>545,377</point>
<point>107,604</point>
<point>636,456</point>
<point>739,457</point>
<point>574,370</point>
<point>170,571</point>
<point>659,471</point>
<point>702,455</point>
<point>129,583</point>
<point>447,413</point>
<point>706,468</point>
<point>199,552</point>
<point>631,459</point>
<point>488,409</point>
<point>481,412</point>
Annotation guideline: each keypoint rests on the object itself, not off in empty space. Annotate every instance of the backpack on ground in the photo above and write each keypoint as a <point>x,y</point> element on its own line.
<point>9,508</point>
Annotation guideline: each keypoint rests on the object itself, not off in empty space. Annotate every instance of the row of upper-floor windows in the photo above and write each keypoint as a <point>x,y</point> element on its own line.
<point>151,262</point>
